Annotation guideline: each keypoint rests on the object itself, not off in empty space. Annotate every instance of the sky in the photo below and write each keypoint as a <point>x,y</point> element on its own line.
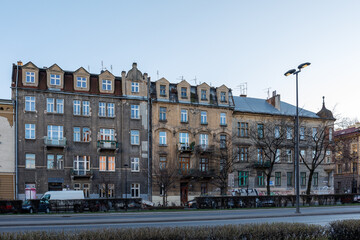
<point>218,42</point>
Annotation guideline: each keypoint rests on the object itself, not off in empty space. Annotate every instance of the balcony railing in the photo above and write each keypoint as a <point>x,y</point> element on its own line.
<point>185,147</point>
<point>265,164</point>
<point>107,144</point>
<point>54,142</point>
<point>202,148</point>
<point>82,172</point>
<point>192,172</point>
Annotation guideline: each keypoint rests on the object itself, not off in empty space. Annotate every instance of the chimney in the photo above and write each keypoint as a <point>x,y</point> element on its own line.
<point>274,100</point>
<point>19,63</point>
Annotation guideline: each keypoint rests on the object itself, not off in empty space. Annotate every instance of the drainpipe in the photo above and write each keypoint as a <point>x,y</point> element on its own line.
<point>16,132</point>
<point>149,139</point>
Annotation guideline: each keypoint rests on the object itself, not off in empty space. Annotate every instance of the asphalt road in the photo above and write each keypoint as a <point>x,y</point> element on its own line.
<point>69,222</point>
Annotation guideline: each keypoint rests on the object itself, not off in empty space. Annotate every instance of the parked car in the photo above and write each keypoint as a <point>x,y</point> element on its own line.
<point>191,204</point>
<point>61,201</point>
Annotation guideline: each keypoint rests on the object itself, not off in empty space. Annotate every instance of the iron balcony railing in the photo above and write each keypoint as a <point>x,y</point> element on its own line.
<point>82,172</point>
<point>107,144</point>
<point>54,142</point>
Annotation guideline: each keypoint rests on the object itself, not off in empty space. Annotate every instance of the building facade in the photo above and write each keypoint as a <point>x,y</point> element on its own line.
<point>83,131</point>
<point>7,149</point>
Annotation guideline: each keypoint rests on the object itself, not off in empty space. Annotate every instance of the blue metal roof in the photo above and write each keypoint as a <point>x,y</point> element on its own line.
<point>257,105</point>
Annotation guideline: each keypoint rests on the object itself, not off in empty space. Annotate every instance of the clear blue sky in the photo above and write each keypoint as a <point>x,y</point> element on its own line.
<point>219,42</point>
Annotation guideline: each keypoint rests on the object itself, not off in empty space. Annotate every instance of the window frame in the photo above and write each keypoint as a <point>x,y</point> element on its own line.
<point>135,137</point>
<point>134,87</point>
<point>135,112</point>
<point>30,77</point>
<point>30,104</point>
<point>55,79</point>
<point>162,114</point>
<point>135,164</point>
<point>30,161</point>
<point>81,82</point>
<point>30,128</point>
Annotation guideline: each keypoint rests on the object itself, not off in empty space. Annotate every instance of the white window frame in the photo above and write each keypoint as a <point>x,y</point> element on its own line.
<point>223,119</point>
<point>50,105</point>
<point>30,103</point>
<point>302,133</point>
<point>50,163</point>
<point>134,137</point>
<point>289,132</point>
<point>102,109</point>
<point>134,87</point>
<point>302,155</point>
<point>223,96</point>
<point>30,131</point>
<point>81,82</point>
<point>81,160</point>
<point>289,157</point>
<point>55,132</point>
<point>162,113</point>
<point>55,79</point>
<point>203,94</point>
<point>107,134</point>
<point>86,134</point>
<point>30,77</point>
<point>111,109</point>
<point>77,107</point>
<point>277,132</point>
<point>135,165</point>
<point>30,161</point>
<point>135,190</point>
<point>162,90</point>
<point>77,134</point>
<point>314,133</point>
<point>86,108</point>
<point>183,91</point>
<point>106,85</point>
<point>60,106</point>
<point>135,112</point>
<point>277,156</point>
<point>162,138</point>
<point>184,115</point>
<point>184,138</point>
<point>203,117</point>
<point>204,140</point>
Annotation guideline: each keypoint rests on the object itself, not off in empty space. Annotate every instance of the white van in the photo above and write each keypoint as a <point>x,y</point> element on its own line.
<point>61,202</point>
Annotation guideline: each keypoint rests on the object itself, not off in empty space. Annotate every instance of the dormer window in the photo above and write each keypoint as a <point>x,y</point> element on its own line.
<point>162,90</point>
<point>81,82</point>
<point>223,97</point>
<point>203,94</point>
<point>30,77</point>
<point>183,92</point>
<point>134,87</point>
<point>106,85</point>
<point>55,79</point>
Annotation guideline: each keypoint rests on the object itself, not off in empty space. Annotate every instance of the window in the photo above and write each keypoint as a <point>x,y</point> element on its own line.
<point>111,190</point>
<point>184,116</point>
<point>162,114</point>
<point>289,155</point>
<point>162,162</point>
<point>277,131</point>
<point>86,134</point>
<point>223,119</point>
<point>277,155</point>
<point>106,190</point>
<point>135,190</point>
<point>289,179</point>
<point>204,164</point>
<point>60,162</point>
<point>81,82</point>
<point>222,141</point>
<point>260,179</point>
<point>260,130</point>
<point>107,163</point>
<point>86,108</point>
<point>134,137</point>
<point>243,129</point>
<point>107,134</point>
<point>30,104</point>
<point>302,133</point>
<point>223,96</point>
<point>55,79</point>
<point>260,155</point>
<point>135,112</point>
<point>50,105</point>
<point>184,138</point>
<point>29,131</point>
<point>134,87</point>
<point>81,165</point>
<point>204,140</point>
<point>30,77</point>
<point>60,105</point>
<point>289,132</point>
<point>50,161</point>
<point>243,178</point>
<point>29,160</point>
<point>77,133</point>
<point>111,109</point>
<point>330,134</point>
<point>302,155</point>
<point>315,179</point>
<point>106,85</point>
<point>77,107</point>
<point>184,164</point>
<point>162,90</point>
<point>204,188</point>
<point>328,156</point>
<point>303,179</point>
<point>243,154</point>
<point>102,109</point>
<point>162,138</point>
<point>203,117</point>
<point>183,92</point>
<point>339,168</point>
<point>314,134</point>
<point>203,94</point>
<point>135,165</point>
<point>277,178</point>
<point>55,132</point>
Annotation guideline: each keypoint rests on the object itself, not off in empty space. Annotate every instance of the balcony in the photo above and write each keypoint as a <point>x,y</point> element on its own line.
<point>81,173</point>
<point>54,142</point>
<point>202,148</point>
<point>265,164</point>
<point>107,145</point>
<point>185,147</point>
<point>196,173</point>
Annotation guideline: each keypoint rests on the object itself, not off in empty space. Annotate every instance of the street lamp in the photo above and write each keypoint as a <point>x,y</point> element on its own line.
<point>297,185</point>
<point>125,166</point>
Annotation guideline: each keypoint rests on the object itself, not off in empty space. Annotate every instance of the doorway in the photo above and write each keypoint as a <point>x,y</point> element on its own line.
<point>184,193</point>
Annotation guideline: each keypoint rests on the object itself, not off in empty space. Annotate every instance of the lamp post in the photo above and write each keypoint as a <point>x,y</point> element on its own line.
<point>297,185</point>
<point>126,187</point>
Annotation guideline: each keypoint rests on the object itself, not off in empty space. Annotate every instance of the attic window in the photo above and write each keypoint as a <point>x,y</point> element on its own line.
<point>81,82</point>
<point>162,90</point>
<point>106,85</point>
<point>30,77</point>
<point>183,92</point>
<point>223,97</point>
<point>55,79</point>
<point>203,94</point>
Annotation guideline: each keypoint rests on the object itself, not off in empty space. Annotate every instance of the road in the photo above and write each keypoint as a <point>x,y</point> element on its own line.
<point>68,222</point>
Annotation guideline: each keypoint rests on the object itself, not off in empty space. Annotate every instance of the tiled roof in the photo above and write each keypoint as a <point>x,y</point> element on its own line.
<point>346,131</point>
<point>256,105</point>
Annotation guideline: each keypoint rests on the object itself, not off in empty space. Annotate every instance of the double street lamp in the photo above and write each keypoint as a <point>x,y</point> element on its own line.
<point>297,185</point>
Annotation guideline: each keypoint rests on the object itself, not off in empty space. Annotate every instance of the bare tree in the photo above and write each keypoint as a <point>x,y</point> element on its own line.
<point>317,139</point>
<point>269,137</point>
<point>165,178</point>
<point>346,122</point>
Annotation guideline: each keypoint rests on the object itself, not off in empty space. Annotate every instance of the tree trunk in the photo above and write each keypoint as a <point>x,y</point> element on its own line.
<point>164,199</point>
<point>308,190</point>
<point>268,184</point>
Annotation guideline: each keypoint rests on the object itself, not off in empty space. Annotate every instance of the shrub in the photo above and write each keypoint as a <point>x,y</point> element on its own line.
<point>345,229</point>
